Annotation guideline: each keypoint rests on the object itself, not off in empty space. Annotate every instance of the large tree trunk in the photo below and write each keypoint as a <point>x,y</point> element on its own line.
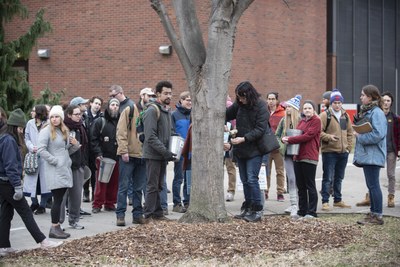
<point>207,71</point>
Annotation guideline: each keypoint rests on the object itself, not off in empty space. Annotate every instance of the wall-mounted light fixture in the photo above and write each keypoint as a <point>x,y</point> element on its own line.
<point>43,53</point>
<point>165,49</point>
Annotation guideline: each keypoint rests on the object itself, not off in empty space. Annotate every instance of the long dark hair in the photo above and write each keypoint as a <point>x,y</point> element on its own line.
<point>246,89</point>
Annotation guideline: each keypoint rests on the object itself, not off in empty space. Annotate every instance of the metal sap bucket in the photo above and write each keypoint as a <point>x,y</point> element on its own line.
<point>87,173</point>
<point>293,149</point>
<point>106,169</point>
<point>176,145</point>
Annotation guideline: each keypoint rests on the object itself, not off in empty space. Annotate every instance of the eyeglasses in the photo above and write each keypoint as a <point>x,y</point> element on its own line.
<point>77,114</point>
<point>114,95</point>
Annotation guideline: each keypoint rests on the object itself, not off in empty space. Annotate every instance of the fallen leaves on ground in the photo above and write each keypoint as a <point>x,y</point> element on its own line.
<point>165,242</point>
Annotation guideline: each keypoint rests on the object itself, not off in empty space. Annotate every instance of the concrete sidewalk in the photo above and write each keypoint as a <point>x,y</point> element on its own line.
<point>353,190</point>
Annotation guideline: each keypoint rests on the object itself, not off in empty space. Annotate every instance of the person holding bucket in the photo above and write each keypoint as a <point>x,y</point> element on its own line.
<point>104,147</point>
<point>287,126</point>
<point>305,163</point>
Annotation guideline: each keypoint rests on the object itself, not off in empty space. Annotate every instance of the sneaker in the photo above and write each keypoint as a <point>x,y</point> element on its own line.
<point>290,208</point>
<point>325,206</point>
<point>230,196</point>
<point>281,198</point>
<point>341,204</point>
<point>121,221</point>
<point>40,210</point>
<point>76,226</point>
<point>86,196</point>
<point>46,244</point>
<point>307,217</point>
<point>96,210</point>
<point>7,251</point>
<point>82,212</point>
<point>179,208</point>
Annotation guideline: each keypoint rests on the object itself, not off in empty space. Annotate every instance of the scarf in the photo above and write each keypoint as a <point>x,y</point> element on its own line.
<point>77,126</point>
<point>365,108</point>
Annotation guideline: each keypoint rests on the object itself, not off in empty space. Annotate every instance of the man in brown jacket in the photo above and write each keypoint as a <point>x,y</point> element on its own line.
<point>336,143</point>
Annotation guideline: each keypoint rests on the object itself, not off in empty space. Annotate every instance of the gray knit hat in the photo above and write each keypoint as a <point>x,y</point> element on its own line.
<point>17,118</point>
<point>327,95</point>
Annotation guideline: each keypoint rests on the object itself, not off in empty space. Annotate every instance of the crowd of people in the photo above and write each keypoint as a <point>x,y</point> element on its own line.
<point>72,144</point>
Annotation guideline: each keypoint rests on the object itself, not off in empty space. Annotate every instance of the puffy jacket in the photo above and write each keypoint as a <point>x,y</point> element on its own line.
<point>371,147</point>
<point>181,120</point>
<point>251,123</point>
<point>344,132</point>
<point>104,143</point>
<point>309,140</point>
<point>276,117</point>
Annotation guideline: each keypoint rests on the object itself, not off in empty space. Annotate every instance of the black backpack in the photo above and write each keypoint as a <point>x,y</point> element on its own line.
<point>329,117</point>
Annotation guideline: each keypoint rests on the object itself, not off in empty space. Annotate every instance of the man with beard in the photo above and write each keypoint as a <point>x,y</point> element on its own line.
<point>104,145</point>
<point>157,131</point>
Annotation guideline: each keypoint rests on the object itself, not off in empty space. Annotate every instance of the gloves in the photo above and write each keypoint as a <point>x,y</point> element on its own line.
<point>170,156</point>
<point>18,193</point>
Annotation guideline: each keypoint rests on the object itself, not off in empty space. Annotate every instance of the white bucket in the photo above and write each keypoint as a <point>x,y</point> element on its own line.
<point>106,169</point>
<point>87,173</point>
<point>176,145</point>
<point>293,149</point>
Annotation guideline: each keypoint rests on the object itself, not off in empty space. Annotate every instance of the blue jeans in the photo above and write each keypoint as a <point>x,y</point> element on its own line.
<point>135,171</point>
<point>334,166</point>
<point>249,170</point>
<point>371,173</point>
<point>177,184</point>
<point>164,194</point>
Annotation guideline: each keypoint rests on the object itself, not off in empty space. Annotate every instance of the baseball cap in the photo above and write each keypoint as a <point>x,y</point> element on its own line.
<point>147,91</point>
<point>78,100</point>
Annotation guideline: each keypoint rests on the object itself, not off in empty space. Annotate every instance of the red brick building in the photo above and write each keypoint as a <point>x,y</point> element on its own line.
<point>95,44</point>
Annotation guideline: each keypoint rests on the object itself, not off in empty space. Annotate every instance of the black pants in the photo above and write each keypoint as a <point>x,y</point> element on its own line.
<point>305,180</point>
<point>58,195</point>
<point>7,206</point>
<point>155,170</point>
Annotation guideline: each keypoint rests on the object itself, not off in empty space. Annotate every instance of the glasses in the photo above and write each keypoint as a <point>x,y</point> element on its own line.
<point>77,114</point>
<point>114,95</point>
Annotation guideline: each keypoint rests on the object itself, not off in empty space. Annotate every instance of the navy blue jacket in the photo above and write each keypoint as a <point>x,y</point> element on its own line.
<point>10,160</point>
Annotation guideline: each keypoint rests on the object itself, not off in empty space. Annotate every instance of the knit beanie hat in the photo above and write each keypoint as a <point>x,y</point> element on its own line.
<point>336,96</point>
<point>57,110</point>
<point>113,100</point>
<point>327,95</point>
<point>294,102</point>
<point>17,118</point>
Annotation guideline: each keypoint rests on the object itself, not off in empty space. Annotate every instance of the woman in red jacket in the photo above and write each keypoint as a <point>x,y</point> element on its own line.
<point>305,163</point>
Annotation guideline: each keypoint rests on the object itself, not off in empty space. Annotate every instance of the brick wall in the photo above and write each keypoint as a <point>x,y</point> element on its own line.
<point>98,43</point>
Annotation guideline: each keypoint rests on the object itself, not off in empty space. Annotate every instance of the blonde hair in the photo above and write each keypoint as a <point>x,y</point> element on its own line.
<point>293,119</point>
<point>64,130</point>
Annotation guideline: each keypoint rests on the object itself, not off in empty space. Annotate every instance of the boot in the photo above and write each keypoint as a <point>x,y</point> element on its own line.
<point>57,232</point>
<point>365,202</point>
<point>86,196</point>
<point>255,214</point>
<point>390,201</point>
<point>244,210</point>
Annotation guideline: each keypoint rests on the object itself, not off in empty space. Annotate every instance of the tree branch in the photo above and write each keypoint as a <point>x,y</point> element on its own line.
<point>159,7</point>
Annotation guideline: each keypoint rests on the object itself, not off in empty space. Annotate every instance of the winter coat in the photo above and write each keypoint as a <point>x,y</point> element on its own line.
<point>181,120</point>
<point>127,139</point>
<point>104,143</point>
<point>371,147</point>
<point>57,161</point>
<point>309,140</point>
<point>30,180</point>
<point>10,160</point>
<point>157,132</point>
<point>341,129</point>
<point>276,117</point>
<point>251,123</point>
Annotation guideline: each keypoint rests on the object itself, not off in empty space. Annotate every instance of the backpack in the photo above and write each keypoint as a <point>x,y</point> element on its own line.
<point>329,117</point>
<point>140,123</point>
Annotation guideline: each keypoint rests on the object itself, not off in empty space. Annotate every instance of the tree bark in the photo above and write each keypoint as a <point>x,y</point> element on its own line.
<point>208,79</point>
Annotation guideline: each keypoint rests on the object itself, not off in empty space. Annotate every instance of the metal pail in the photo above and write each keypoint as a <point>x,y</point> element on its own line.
<point>175,145</point>
<point>293,149</point>
<point>106,169</point>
